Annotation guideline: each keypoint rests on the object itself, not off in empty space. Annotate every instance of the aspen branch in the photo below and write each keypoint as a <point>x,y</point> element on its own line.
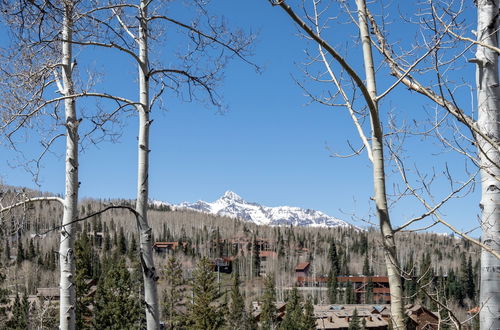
<point>414,85</point>
<point>107,208</point>
<point>323,43</point>
<point>348,104</point>
<point>123,25</point>
<point>31,200</point>
<point>235,51</point>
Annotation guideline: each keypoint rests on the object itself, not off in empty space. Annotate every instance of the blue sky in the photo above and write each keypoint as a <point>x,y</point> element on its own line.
<point>271,146</point>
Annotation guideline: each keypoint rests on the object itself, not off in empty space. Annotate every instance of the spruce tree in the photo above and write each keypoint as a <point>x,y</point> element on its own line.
<point>122,242</point>
<point>334,272</point>
<point>84,255</point>
<point>173,295</point>
<point>350,297</point>
<point>7,251</point>
<point>20,252</point>
<point>3,296</point>
<point>355,323</point>
<point>20,314</point>
<point>426,276</point>
<point>107,242</point>
<point>31,250</point>
<point>332,287</point>
<point>268,314</point>
<point>293,313</point>
<point>469,280</point>
<point>237,314</point>
<point>255,257</point>
<point>308,321</point>
<point>369,292</point>
<point>366,267</point>
<point>334,259</point>
<point>132,251</point>
<point>204,312</point>
<point>117,303</point>
<point>410,282</point>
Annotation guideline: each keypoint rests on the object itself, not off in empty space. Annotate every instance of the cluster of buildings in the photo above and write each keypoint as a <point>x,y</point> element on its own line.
<point>372,317</point>
<point>376,286</point>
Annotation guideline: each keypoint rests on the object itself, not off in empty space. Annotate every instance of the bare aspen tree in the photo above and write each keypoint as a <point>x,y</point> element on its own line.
<point>21,13</point>
<point>44,38</point>
<point>67,304</point>
<point>488,102</point>
<point>145,234</point>
<point>128,27</point>
<point>484,131</point>
<point>376,149</point>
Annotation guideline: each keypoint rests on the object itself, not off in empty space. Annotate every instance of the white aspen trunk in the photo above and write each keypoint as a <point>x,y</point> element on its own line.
<point>145,233</point>
<point>66,249</point>
<point>391,261</point>
<point>488,97</point>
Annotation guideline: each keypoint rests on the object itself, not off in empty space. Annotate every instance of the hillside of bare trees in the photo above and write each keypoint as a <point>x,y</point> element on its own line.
<point>435,263</point>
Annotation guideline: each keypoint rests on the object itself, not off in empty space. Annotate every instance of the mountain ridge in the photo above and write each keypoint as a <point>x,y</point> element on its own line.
<point>234,206</point>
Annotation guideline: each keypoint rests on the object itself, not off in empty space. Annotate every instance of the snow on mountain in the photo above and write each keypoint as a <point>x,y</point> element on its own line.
<point>232,205</point>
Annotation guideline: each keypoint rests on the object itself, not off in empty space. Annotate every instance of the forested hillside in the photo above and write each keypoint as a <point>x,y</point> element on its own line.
<point>436,267</point>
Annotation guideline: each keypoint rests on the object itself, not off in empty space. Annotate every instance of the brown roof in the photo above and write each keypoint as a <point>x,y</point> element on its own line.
<point>312,279</point>
<point>267,254</point>
<point>165,244</point>
<point>302,266</point>
<point>338,316</point>
<point>375,279</point>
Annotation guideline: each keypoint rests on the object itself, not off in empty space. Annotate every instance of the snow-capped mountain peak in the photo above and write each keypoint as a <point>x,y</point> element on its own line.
<point>232,196</point>
<point>234,206</point>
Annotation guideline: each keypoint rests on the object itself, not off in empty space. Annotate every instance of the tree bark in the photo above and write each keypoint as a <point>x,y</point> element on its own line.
<point>66,249</point>
<point>145,233</point>
<point>488,96</point>
<point>391,261</point>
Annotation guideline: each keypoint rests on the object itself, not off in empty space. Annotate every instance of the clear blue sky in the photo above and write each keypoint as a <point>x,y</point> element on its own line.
<point>270,147</point>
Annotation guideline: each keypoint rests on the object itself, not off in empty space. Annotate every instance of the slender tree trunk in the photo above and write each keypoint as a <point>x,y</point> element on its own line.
<point>66,249</point>
<point>488,96</point>
<point>145,233</point>
<point>391,261</point>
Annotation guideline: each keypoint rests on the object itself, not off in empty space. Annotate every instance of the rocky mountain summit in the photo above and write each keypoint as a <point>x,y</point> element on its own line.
<point>232,205</point>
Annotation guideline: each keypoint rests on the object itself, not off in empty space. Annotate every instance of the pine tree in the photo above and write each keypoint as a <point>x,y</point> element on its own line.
<point>7,250</point>
<point>31,251</point>
<point>133,248</point>
<point>366,267</point>
<point>255,257</point>
<point>470,288</point>
<point>354,323</point>
<point>268,317</point>
<point>334,259</point>
<point>20,314</point>
<point>426,276</point>
<point>173,295</point>
<point>308,321</point>
<point>410,283</point>
<point>107,242</point>
<point>84,256</point>
<point>369,292</point>
<point>237,314</point>
<point>20,252</point>
<point>3,296</point>
<point>350,297</point>
<point>117,305</point>
<point>204,312</point>
<point>122,242</point>
<point>332,287</point>
<point>293,313</point>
